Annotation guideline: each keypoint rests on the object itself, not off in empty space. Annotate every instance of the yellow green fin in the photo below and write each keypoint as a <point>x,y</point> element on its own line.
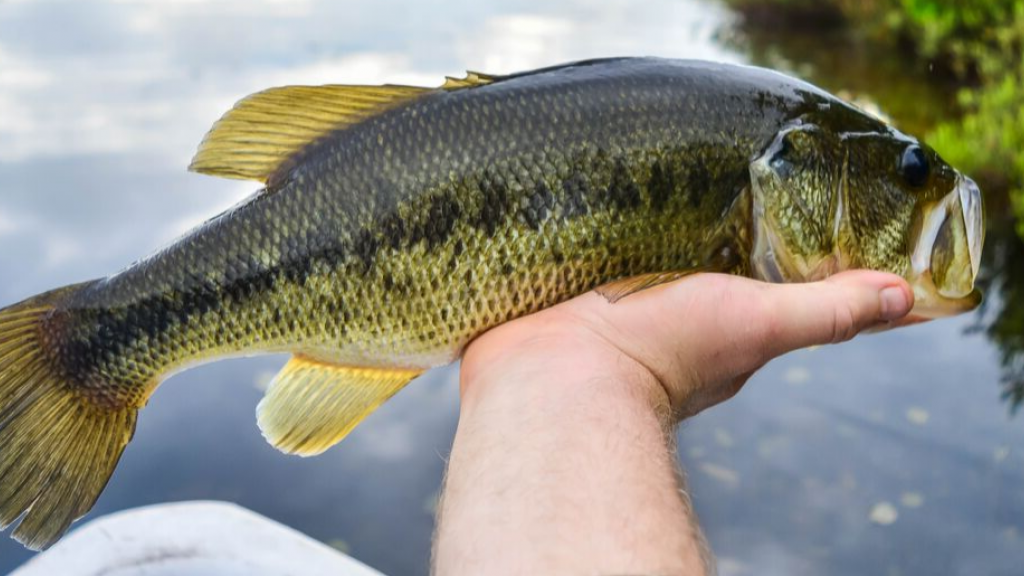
<point>257,137</point>
<point>264,130</point>
<point>723,259</point>
<point>58,448</point>
<point>469,81</point>
<point>618,289</point>
<point>312,405</point>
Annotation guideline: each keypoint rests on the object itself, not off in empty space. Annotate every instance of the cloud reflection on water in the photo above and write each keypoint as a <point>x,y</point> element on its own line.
<point>102,104</point>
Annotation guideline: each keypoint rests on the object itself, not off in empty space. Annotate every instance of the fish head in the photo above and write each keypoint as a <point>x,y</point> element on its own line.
<point>827,200</point>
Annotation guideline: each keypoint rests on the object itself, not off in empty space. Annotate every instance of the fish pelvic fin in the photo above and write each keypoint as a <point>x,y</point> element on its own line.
<point>312,405</point>
<point>58,447</point>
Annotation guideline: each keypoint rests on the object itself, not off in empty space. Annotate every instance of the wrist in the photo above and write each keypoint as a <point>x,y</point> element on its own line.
<point>560,369</point>
<point>563,462</point>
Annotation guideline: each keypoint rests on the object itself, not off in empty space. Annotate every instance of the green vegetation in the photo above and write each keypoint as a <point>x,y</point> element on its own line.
<point>978,44</point>
<point>986,41</point>
<point>965,57</point>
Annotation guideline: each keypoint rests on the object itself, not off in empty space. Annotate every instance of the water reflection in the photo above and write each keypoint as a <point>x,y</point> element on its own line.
<point>101,106</point>
<point>917,98</point>
<point>1002,315</point>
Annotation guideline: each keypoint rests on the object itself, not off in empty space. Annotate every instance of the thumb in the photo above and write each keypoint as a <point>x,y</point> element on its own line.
<point>775,319</point>
<point>832,310</point>
<point>714,328</point>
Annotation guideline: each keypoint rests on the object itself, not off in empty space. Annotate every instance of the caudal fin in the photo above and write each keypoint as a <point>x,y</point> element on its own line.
<point>57,447</point>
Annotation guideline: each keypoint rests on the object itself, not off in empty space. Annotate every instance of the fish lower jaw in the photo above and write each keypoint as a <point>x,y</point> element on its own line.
<point>929,303</point>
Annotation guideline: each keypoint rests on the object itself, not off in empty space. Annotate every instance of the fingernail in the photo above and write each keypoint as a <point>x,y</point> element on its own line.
<point>895,303</point>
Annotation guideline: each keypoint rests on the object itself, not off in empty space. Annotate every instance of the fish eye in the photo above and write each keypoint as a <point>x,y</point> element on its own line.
<point>914,166</point>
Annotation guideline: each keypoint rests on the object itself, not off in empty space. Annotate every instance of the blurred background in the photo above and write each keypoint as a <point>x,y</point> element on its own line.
<point>896,454</point>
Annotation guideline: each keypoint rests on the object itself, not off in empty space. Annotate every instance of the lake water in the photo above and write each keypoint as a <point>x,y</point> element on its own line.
<point>890,455</point>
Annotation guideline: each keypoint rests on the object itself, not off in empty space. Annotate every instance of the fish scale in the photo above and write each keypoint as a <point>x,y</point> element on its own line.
<point>398,223</point>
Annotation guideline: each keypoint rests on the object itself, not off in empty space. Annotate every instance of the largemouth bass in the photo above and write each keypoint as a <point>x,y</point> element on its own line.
<point>397,223</point>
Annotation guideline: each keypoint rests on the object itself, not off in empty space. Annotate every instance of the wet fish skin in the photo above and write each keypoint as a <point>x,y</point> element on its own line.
<point>381,249</point>
<point>524,196</point>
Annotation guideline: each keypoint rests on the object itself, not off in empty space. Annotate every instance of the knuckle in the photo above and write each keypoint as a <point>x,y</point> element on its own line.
<point>844,323</point>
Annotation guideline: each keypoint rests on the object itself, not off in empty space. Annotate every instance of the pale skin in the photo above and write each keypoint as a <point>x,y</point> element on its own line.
<point>564,459</point>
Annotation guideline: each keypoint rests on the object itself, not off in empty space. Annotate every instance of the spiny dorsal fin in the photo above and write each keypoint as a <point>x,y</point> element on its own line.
<point>262,131</point>
<point>472,79</point>
<point>312,405</point>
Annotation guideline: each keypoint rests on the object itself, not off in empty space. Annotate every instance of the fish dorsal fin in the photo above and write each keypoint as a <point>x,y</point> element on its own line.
<point>472,79</point>
<point>311,405</point>
<point>262,131</point>
<point>254,139</point>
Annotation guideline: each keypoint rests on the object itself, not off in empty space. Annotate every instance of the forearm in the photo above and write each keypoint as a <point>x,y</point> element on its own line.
<point>557,471</point>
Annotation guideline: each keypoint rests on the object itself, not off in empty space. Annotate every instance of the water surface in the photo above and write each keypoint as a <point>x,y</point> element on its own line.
<point>101,106</point>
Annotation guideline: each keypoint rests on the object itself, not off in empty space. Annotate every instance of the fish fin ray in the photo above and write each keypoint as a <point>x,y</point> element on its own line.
<point>618,289</point>
<point>470,80</point>
<point>312,405</point>
<point>263,131</point>
<point>257,138</point>
<point>723,259</point>
<point>58,448</point>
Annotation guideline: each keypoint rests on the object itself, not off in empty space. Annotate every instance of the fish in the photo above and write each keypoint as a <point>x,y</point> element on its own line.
<point>396,223</point>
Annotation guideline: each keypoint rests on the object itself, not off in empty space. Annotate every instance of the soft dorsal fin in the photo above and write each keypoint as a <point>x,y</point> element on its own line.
<point>262,131</point>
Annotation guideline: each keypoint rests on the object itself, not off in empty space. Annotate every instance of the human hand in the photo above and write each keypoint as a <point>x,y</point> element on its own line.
<point>563,462</point>
<point>694,342</point>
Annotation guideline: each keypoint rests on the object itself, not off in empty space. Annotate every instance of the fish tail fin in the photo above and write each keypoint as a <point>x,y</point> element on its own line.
<point>58,447</point>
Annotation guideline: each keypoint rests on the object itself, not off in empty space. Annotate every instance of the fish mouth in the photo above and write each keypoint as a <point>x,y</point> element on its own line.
<point>947,254</point>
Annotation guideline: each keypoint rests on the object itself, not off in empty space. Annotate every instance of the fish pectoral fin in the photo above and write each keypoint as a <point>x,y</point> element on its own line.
<point>723,259</point>
<point>312,405</point>
<point>258,137</point>
<point>618,289</point>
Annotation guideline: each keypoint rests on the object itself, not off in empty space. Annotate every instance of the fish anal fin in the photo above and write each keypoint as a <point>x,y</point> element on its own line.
<point>312,405</point>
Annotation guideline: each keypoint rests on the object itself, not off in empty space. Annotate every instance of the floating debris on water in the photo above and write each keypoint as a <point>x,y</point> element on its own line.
<point>797,375</point>
<point>917,415</point>
<point>768,447</point>
<point>723,438</point>
<point>883,514</point>
<point>263,380</point>
<point>431,503</point>
<point>731,567</point>
<point>911,500</point>
<point>724,475</point>
<point>340,545</point>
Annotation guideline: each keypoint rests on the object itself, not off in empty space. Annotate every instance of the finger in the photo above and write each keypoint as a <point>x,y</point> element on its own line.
<point>711,328</point>
<point>831,311</point>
